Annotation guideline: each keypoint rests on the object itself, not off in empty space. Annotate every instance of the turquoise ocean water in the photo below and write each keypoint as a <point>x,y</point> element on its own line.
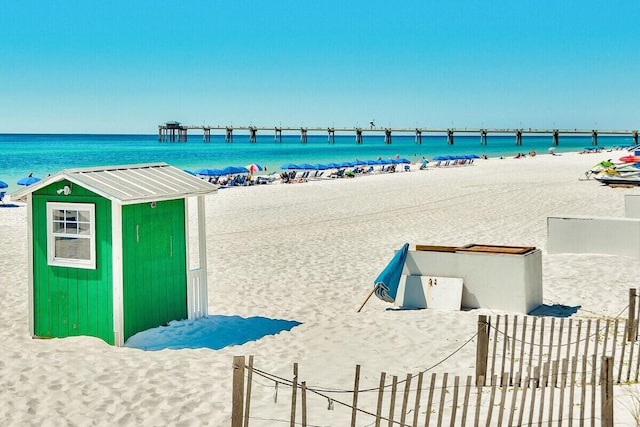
<point>43,154</point>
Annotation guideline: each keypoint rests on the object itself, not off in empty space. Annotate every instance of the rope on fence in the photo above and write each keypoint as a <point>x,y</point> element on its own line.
<point>509,337</point>
<point>289,383</point>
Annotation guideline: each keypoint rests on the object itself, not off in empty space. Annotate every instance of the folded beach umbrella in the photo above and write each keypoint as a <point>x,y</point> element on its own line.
<point>386,284</point>
<point>3,184</point>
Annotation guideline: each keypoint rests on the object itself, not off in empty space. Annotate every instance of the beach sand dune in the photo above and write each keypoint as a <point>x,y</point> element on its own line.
<point>310,253</point>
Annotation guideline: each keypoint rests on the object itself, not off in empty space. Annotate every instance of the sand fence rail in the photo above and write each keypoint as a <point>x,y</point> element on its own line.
<point>517,345</point>
<point>429,399</point>
<point>529,369</point>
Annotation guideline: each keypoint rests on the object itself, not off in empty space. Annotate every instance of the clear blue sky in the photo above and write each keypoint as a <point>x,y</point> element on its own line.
<point>83,66</point>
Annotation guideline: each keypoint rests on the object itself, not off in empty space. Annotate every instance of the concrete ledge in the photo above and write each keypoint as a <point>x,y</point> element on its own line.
<point>509,282</point>
<point>632,205</point>
<point>593,235</point>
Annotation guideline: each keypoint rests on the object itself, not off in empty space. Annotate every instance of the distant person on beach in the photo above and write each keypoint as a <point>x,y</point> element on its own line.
<point>532,153</point>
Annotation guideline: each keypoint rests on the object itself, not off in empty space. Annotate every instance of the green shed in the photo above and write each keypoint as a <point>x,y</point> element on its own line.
<point>112,251</point>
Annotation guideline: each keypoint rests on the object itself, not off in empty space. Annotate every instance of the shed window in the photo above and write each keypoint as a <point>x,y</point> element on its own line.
<point>71,235</point>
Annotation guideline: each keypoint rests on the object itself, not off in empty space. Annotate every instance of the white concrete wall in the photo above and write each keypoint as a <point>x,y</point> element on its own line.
<point>498,281</point>
<point>594,235</point>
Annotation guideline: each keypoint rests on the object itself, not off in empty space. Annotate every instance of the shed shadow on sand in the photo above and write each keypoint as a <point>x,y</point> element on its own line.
<point>213,332</point>
<point>556,310</point>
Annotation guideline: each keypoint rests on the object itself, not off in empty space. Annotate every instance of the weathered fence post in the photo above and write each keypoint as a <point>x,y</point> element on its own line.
<point>631,332</point>
<point>237,401</point>
<point>606,392</point>
<point>354,406</point>
<point>294,395</point>
<point>482,349</point>
<point>247,405</point>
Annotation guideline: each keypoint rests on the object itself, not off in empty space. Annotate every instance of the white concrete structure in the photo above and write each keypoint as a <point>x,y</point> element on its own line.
<point>593,235</point>
<point>440,293</point>
<point>632,205</point>
<point>510,280</point>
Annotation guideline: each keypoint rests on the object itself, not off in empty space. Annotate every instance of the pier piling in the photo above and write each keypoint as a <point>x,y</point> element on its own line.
<point>418,139</point>
<point>387,136</point>
<point>450,136</point>
<point>331,135</point>
<point>483,137</point>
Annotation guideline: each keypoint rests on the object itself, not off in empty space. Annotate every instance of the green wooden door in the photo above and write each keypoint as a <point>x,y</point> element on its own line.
<point>154,265</point>
<point>71,301</point>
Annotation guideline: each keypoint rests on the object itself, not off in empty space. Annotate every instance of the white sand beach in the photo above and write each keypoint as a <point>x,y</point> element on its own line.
<point>309,252</point>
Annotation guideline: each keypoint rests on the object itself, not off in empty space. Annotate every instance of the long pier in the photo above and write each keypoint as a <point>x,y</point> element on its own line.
<point>177,132</point>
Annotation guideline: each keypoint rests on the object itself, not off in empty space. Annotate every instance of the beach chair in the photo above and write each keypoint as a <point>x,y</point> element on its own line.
<point>2,194</point>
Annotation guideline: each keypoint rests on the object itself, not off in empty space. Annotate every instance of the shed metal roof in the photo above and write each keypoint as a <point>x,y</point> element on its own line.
<point>129,184</point>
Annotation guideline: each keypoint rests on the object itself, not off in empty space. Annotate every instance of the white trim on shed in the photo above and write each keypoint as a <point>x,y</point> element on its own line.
<point>129,184</point>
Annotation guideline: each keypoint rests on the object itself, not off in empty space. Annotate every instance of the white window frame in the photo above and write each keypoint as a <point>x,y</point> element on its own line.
<point>71,262</point>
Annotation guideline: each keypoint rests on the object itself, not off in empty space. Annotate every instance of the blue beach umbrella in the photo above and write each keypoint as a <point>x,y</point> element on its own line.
<point>205,172</point>
<point>3,184</point>
<point>26,181</point>
<point>306,166</point>
<point>359,163</point>
<point>321,167</point>
<point>289,166</point>
<point>373,162</point>
<point>189,172</point>
<point>386,284</point>
<point>234,169</point>
<point>347,165</point>
<point>440,158</point>
<point>333,165</point>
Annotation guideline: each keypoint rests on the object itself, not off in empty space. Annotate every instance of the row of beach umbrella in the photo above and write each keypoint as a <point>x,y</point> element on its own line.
<point>26,181</point>
<point>229,170</point>
<point>456,157</point>
<point>322,166</point>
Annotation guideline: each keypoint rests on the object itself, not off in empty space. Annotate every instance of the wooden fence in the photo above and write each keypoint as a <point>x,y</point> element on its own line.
<point>517,345</point>
<point>529,370</point>
<point>572,396</point>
